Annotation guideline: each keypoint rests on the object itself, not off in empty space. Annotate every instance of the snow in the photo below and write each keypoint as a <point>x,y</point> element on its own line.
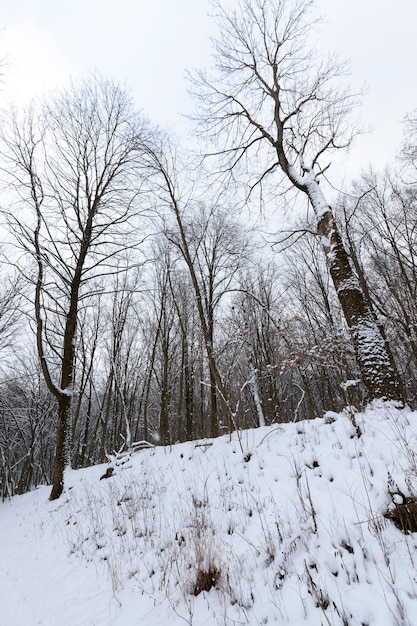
<point>292,530</point>
<point>349,284</point>
<point>316,196</point>
<point>350,383</point>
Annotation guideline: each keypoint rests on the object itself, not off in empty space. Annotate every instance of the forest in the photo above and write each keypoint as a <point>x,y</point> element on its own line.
<point>146,299</point>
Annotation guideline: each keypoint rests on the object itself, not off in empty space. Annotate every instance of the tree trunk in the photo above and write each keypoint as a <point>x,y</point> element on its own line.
<point>255,393</point>
<point>62,450</point>
<point>214,427</point>
<point>164,426</point>
<point>189,396</point>
<point>378,373</point>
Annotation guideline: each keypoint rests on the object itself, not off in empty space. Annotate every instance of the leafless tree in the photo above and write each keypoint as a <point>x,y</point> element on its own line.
<point>12,296</point>
<point>119,363</point>
<point>274,105</point>
<point>162,165</point>
<point>27,428</point>
<point>71,167</point>
<point>219,248</point>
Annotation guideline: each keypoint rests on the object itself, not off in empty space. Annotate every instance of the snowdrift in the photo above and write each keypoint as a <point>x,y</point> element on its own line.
<point>287,524</point>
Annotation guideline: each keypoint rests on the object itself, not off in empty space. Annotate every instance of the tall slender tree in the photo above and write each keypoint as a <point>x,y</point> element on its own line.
<point>71,167</point>
<point>161,163</point>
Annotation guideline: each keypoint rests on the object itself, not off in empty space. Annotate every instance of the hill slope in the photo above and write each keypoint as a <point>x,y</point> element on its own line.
<point>283,524</point>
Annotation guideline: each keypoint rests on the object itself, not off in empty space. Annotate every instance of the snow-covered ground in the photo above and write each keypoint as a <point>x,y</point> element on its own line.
<point>285,522</point>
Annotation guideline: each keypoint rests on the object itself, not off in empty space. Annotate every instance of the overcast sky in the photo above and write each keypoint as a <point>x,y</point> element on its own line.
<point>148,45</point>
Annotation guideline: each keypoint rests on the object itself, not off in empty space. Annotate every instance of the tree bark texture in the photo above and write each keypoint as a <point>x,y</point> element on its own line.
<point>62,448</point>
<point>378,374</point>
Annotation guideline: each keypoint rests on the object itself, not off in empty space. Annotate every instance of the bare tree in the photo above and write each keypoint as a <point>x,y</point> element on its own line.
<point>12,293</point>
<point>219,247</point>
<point>166,332</point>
<point>408,154</point>
<point>274,105</point>
<point>71,167</point>
<point>161,162</point>
<point>190,357</point>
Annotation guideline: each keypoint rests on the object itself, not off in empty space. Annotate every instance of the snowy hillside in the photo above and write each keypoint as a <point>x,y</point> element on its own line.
<point>282,524</point>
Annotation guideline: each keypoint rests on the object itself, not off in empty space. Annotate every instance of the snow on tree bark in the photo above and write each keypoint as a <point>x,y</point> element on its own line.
<point>378,374</point>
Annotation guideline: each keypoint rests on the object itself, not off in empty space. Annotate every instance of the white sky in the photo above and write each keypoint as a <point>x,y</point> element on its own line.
<point>148,45</point>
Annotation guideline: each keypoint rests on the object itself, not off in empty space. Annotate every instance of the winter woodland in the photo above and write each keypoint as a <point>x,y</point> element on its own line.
<point>146,301</point>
